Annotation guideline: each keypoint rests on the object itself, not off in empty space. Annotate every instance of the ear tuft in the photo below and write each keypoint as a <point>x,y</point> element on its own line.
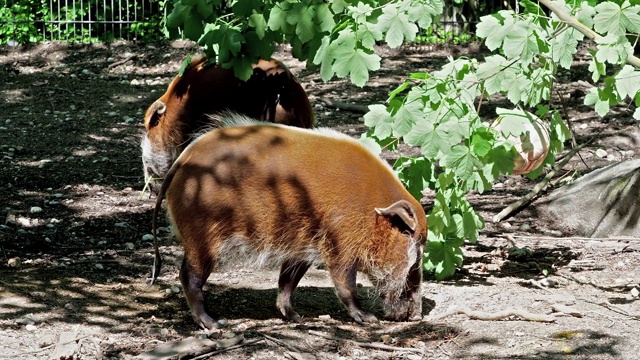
<point>402,209</point>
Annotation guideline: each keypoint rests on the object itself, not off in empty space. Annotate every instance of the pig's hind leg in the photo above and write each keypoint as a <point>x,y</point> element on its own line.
<point>193,279</point>
<point>291,272</point>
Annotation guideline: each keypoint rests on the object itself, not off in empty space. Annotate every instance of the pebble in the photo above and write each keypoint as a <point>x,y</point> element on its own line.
<point>14,262</point>
<point>157,331</point>
<point>31,327</point>
<point>35,209</point>
<point>69,306</point>
<point>86,72</point>
<point>129,246</point>
<point>25,321</point>
<point>601,153</point>
<point>175,289</point>
<point>635,292</point>
<point>99,266</point>
<point>147,237</point>
<point>121,224</point>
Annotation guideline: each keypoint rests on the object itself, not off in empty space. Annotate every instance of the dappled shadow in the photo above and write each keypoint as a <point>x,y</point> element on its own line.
<point>584,344</point>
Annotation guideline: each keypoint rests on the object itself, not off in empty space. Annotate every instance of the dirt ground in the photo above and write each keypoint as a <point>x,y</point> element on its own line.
<point>75,254</point>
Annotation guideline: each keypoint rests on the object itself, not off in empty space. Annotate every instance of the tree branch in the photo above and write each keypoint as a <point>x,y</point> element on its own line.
<point>574,23</point>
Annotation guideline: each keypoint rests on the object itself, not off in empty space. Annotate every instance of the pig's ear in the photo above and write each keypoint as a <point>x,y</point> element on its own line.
<point>402,209</point>
<point>154,113</point>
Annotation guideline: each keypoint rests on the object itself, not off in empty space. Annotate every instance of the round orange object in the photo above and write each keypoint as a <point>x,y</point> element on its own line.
<point>532,145</point>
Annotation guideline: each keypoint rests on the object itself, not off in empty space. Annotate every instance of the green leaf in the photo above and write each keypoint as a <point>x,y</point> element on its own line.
<point>193,27</point>
<point>490,29</point>
<point>356,63</point>
<point>521,41</point>
<point>244,8</point>
<point>397,25</point>
<point>628,82</point>
<point>442,257</point>
<point>278,18</point>
<point>185,64</point>
<point>462,161</point>
<point>416,174</point>
<point>258,22</point>
<point>564,46</point>
<point>612,19</point>
<point>368,35</point>
<point>338,6</point>
<point>482,141</point>
<point>408,114</point>
<point>494,72</point>
<point>324,18</point>
<point>380,120</point>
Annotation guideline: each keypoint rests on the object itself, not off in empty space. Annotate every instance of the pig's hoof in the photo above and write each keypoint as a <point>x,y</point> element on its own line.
<point>206,322</point>
<point>362,317</point>
<point>291,315</point>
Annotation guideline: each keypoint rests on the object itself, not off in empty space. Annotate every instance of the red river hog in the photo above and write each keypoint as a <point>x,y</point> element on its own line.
<point>272,94</point>
<point>270,193</point>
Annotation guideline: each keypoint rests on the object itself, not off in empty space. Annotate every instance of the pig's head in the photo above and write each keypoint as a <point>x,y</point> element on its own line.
<point>396,269</point>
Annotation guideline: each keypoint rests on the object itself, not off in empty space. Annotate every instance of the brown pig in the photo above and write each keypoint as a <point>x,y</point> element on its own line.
<point>271,94</point>
<point>276,193</point>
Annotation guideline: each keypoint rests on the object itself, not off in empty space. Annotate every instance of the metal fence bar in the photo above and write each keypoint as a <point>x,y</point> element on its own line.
<point>99,20</point>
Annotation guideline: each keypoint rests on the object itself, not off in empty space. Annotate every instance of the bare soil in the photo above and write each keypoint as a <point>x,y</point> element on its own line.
<point>74,259</point>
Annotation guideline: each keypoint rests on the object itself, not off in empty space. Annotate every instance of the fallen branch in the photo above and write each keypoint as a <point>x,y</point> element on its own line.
<point>128,58</point>
<point>607,305</point>
<point>506,212</point>
<point>246,343</point>
<point>282,343</point>
<point>344,106</point>
<point>43,349</point>
<point>365,345</point>
<point>482,315</point>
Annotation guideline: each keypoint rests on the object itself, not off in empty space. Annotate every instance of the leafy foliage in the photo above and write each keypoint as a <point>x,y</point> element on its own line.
<point>437,111</point>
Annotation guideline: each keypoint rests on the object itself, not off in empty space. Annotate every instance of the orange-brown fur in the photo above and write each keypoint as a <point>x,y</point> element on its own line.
<point>297,196</point>
<point>271,94</point>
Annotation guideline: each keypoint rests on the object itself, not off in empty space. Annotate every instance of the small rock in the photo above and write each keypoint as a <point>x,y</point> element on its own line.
<point>525,227</point>
<point>99,266</point>
<point>385,339</point>
<point>31,327</point>
<point>546,282</point>
<point>324,317</point>
<point>102,242</point>
<point>25,321</point>
<point>14,262</point>
<point>35,209</point>
<point>129,246</point>
<point>69,306</point>
<point>147,237</point>
<point>121,224</point>
<point>175,289</point>
<point>635,292</point>
<point>601,153</point>
<point>157,331</point>
<point>86,72</point>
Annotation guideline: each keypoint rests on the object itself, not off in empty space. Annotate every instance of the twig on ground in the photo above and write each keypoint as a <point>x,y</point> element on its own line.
<point>246,343</point>
<point>42,349</point>
<point>282,343</point>
<point>606,304</point>
<point>344,106</point>
<point>365,345</point>
<point>482,315</point>
<point>128,58</point>
<point>539,186</point>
